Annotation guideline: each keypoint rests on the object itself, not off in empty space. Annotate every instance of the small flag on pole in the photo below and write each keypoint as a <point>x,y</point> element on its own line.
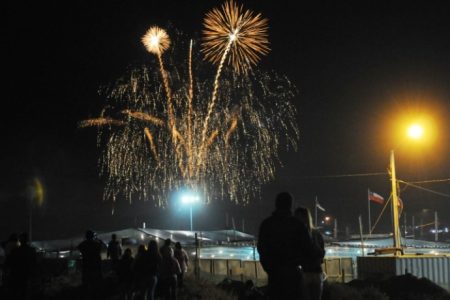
<point>400,203</point>
<point>319,206</point>
<point>374,197</point>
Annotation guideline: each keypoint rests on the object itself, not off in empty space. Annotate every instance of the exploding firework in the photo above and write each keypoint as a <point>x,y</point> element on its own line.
<point>231,29</point>
<point>221,142</point>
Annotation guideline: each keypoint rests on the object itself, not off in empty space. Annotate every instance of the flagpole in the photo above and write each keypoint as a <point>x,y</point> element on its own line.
<point>396,231</point>
<point>368,205</point>
<point>315,213</point>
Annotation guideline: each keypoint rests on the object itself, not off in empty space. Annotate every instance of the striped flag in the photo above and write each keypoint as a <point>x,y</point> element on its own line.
<point>374,197</point>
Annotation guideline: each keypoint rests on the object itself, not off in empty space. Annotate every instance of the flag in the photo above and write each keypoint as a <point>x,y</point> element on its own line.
<point>400,204</point>
<point>374,197</point>
<point>319,206</point>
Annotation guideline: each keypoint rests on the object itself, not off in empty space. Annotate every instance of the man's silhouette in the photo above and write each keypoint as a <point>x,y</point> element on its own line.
<point>91,274</point>
<point>283,243</point>
<point>22,264</point>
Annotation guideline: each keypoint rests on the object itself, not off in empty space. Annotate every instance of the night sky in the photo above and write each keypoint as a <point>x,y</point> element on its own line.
<point>359,69</point>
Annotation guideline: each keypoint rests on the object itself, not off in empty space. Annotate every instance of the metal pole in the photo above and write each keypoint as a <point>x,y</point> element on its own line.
<point>361,234</point>
<point>190,209</point>
<point>30,222</point>
<point>368,206</point>
<point>335,231</point>
<point>315,213</point>
<point>404,223</point>
<point>436,227</point>
<point>396,231</point>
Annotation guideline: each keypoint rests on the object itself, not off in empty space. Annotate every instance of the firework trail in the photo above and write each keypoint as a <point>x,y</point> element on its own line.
<point>166,130</point>
<point>224,28</point>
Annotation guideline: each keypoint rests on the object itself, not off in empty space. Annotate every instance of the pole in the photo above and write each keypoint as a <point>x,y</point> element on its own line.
<point>413,228</point>
<point>368,206</point>
<point>190,209</point>
<point>361,234</point>
<point>335,231</point>
<point>396,232</point>
<point>436,227</point>
<point>30,222</point>
<point>315,213</point>
<point>404,223</point>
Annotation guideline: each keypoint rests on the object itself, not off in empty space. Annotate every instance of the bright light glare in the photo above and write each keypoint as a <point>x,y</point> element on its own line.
<point>415,131</point>
<point>189,199</point>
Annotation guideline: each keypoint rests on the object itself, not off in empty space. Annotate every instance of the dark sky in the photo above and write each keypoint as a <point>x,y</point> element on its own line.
<point>359,68</point>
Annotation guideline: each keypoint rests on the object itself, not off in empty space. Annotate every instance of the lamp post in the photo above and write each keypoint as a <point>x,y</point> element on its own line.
<point>415,131</point>
<point>396,230</point>
<point>190,199</point>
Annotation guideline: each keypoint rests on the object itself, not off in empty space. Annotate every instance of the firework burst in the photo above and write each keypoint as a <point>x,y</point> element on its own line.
<point>165,131</point>
<point>231,29</point>
<point>156,40</point>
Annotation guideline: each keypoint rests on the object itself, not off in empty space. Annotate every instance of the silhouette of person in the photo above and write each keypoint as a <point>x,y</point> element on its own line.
<point>154,263</point>
<point>312,267</point>
<point>2,263</point>
<point>283,244</point>
<point>165,248</point>
<point>91,273</point>
<point>125,274</point>
<point>170,269</point>
<point>114,251</point>
<point>22,265</point>
<point>182,257</point>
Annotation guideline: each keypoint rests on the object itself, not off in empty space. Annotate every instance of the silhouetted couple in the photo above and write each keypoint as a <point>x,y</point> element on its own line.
<point>286,248</point>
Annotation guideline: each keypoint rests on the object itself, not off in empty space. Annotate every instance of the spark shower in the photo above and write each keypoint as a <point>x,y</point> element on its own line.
<point>173,124</point>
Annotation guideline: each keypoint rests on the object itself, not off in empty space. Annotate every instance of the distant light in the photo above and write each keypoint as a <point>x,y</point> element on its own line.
<point>415,131</point>
<point>142,236</point>
<point>193,253</point>
<point>220,251</point>
<point>231,254</point>
<point>189,199</point>
<point>212,255</point>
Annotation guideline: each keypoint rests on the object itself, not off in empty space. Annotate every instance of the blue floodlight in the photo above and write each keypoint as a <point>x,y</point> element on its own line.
<point>189,198</point>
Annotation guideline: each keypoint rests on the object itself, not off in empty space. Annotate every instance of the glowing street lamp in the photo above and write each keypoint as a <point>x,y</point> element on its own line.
<point>415,131</point>
<point>190,199</point>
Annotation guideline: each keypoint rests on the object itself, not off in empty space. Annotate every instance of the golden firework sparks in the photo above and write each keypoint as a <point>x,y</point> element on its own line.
<point>156,40</point>
<point>243,33</point>
<point>225,148</point>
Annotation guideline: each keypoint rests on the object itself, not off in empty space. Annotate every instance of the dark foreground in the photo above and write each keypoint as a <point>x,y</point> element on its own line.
<point>399,287</point>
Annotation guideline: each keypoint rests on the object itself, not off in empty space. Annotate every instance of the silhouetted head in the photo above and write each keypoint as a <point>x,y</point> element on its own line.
<point>283,201</point>
<point>167,242</point>
<point>113,236</point>
<point>153,247</point>
<point>177,245</point>
<point>23,238</point>
<point>304,215</point>
<point>141,250</point>
<point>127,252</point>
<point>90,235</point>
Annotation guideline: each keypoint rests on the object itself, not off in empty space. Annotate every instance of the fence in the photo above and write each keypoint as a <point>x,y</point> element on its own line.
<point>337,269</point>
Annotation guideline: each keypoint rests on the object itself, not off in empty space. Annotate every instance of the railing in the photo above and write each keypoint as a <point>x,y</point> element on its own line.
<point>337,269</point>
